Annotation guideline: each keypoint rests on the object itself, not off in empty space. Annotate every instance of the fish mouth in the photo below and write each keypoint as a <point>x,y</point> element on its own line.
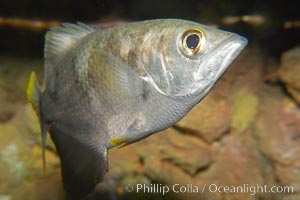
<point>220,58</point>
<point>217,63</point>
<point>232,47</point>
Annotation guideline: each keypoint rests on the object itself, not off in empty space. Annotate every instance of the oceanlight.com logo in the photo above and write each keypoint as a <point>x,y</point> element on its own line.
<point>207,188</point>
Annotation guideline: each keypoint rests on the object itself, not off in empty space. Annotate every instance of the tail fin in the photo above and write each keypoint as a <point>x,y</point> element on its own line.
<point>34,93</point>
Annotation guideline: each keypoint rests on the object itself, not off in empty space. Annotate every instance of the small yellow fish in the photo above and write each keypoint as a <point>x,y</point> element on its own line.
<point>111,87</point>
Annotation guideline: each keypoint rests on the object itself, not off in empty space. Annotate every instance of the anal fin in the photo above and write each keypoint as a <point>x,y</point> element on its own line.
<point>83,165</point>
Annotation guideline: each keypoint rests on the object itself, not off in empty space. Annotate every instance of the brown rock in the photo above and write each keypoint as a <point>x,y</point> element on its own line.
<point>237,163</point>
<point>278,132</point>
<point>289,72</point>
<point>208,120</point>
<point>188,153</point>
<point>124,165</point>
<point>21,164</point>
<point>14,156</point>
<point>45,188</point>
<point>289,177</point>
<point>27,122</point>
<point>247,71</point>
<point>14,74</point>
<point>6,112</point>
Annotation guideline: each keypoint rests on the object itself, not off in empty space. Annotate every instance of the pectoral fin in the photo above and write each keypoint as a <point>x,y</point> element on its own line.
<point>114,74</point>
<point>83,165</point>
<point>118,142</point>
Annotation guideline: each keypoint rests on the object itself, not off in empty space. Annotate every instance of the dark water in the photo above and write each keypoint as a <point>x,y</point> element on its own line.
<point>271,36</point>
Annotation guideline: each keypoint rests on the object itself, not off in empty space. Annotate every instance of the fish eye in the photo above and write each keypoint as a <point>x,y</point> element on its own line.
<point>192,41</point>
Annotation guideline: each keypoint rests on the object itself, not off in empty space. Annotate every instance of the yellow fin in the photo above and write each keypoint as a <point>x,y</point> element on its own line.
<point>33,92</point>
<point>119,142</point>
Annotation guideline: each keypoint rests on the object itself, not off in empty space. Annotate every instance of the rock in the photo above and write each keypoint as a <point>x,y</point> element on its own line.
<point>246,72</point>
<point>171,147</point>
<point>232,166</point>
<point>21,163</point>
<point>47,188</point>
<point>277,130</point>
<point>289,177</point>
<point>14,74</point>
<point>15,156</point>
<point>208,120</point>
<point>125,165</point>
<point>27,122</point>
<point>289,72</point>
<point>6,112</point>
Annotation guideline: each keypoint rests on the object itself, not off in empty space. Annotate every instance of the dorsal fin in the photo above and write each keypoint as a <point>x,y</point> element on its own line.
<point>60,39</point>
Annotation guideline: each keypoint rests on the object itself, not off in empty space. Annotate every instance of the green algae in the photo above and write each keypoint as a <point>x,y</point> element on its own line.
<point>244,110</point>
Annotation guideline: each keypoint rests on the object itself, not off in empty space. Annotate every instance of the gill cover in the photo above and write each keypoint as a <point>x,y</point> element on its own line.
<point>176,58</point>
<point>189,60</point>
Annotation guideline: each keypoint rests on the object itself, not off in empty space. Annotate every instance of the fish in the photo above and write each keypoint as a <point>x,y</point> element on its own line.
<point>106,88</point>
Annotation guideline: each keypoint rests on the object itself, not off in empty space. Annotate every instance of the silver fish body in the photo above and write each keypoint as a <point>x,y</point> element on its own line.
<point>111,87</point>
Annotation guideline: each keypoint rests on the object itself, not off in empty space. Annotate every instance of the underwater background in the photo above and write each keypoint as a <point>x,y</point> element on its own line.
<point>246,132</point>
